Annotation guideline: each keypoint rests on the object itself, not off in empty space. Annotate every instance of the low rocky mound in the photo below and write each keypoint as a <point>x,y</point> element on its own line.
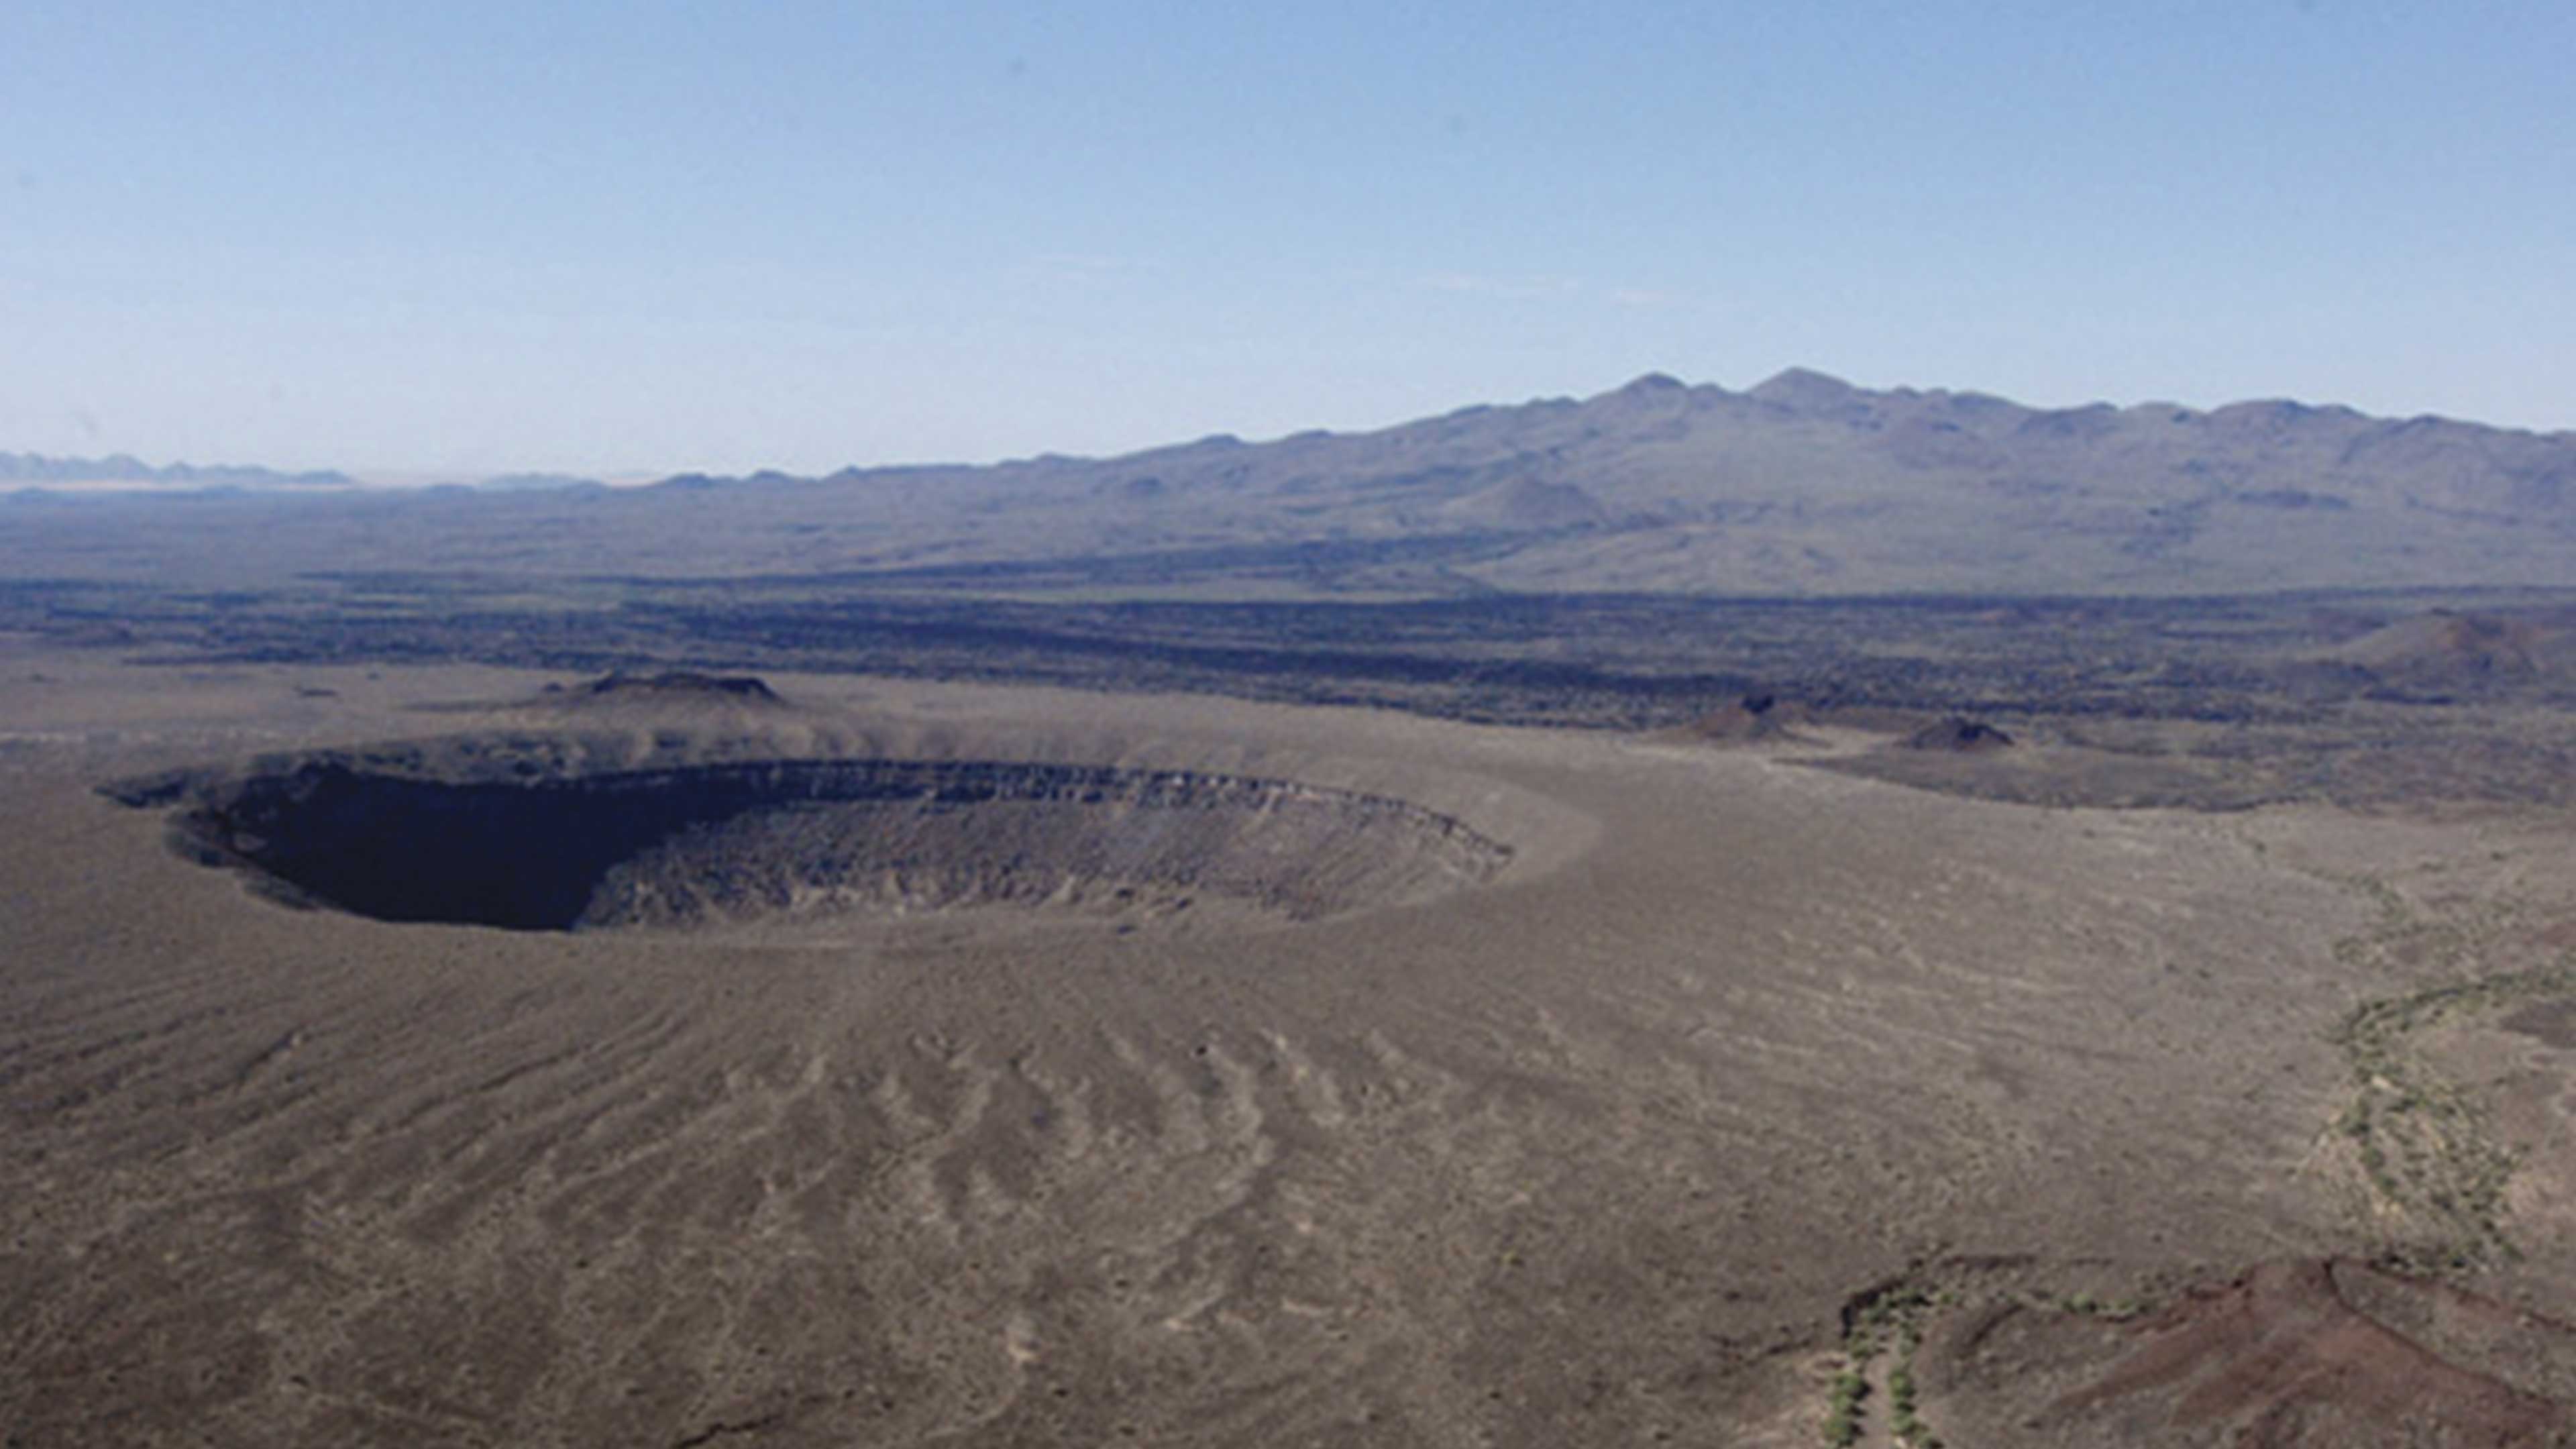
<point>1753,719</point>
<point>670,685</point>
<point>2445,648</point>
<point>1959,735</point>
<point>533,833</point>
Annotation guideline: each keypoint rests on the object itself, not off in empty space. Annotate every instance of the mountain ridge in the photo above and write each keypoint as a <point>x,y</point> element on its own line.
<point>1807,483</point>
<point>1796,392</point>
<point>1801,485</point>
<point>126,468</point>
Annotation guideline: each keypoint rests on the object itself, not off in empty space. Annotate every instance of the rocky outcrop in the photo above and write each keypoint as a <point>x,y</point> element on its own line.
<point>1959,735</point>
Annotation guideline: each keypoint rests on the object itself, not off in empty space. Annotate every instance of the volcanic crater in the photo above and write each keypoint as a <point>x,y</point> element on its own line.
<point>529,832</point>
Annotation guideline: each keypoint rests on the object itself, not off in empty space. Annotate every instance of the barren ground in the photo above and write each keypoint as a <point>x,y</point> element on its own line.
<point>1735,1073</point>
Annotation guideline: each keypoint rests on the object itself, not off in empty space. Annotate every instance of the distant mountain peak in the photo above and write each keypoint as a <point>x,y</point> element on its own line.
<point>1800,386</point>
<point>1654,382</point>
<point>1654,394</point>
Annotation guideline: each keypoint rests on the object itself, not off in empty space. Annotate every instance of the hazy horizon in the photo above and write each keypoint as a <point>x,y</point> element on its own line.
<point>510,477</point>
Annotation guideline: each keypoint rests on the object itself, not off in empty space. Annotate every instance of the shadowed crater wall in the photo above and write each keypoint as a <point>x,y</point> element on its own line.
<point>553,849</point>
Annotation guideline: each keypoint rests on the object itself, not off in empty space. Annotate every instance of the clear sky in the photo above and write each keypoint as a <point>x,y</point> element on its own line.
<point>643,237</point>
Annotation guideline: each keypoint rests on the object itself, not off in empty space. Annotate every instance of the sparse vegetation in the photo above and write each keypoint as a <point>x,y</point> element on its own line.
<point>1842,1419</point>
<point>1889,1323</point>
<point>1893,1315</point>
<point>1900,1401</point>
<point>2421,1143</point>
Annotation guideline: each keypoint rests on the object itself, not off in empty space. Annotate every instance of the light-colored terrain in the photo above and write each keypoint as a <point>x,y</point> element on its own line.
<point>1595,1151</point>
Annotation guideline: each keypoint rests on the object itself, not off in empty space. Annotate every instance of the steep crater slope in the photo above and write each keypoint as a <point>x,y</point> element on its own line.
<point>535,833</point>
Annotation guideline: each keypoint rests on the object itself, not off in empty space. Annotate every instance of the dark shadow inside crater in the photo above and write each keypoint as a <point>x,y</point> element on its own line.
<point>732,842</point>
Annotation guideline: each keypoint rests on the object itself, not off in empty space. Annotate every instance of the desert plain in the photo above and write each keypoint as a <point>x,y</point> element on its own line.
<point>1289,992</point>
<point>1625,1141</point>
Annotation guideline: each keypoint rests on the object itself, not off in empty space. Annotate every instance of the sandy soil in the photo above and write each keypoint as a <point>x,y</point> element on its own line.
<point>1599,1151</point>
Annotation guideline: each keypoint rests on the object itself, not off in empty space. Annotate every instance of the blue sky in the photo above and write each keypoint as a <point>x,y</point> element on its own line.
<point>642,237</point>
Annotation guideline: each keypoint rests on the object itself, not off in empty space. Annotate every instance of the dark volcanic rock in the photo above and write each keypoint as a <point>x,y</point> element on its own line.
<point>2285,1357</point>
<point>1960,735</point>
<point>1755,717</point>
<point>674,683</point>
